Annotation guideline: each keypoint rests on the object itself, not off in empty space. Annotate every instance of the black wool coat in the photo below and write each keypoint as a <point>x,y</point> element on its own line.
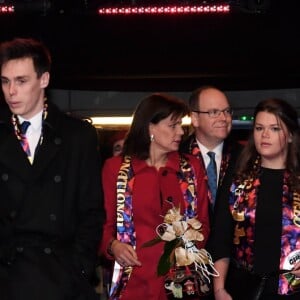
<point>51,212</point>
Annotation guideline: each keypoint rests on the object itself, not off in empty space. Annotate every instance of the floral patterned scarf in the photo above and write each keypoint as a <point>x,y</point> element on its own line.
<point>242,202</point>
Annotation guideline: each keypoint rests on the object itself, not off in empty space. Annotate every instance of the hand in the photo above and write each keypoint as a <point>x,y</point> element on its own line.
<point>124,254</point>
<point>221,294</point>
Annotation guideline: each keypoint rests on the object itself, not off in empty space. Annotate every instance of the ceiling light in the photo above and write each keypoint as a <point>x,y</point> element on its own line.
<point>122,121</point>
<point>161,10</point>
<point>6,9</point>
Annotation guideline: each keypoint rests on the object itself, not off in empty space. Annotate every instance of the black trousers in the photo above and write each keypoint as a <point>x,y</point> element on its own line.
<point>243,285</point>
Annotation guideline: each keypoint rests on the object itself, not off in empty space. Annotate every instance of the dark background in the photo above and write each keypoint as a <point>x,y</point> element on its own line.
<point>256,46</point>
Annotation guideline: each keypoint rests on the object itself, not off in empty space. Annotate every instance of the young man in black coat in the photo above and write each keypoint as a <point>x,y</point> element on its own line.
<point>51,210</point>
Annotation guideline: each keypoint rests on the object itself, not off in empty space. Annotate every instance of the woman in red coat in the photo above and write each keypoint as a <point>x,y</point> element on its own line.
<point>140,187</point>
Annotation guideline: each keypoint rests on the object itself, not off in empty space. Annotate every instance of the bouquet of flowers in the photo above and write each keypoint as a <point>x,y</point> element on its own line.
<point>187,268</point>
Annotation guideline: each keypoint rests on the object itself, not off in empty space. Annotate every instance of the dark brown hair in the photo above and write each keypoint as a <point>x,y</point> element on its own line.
<point>288,115</point>
<point>151,109</point>
<point>26,48</point>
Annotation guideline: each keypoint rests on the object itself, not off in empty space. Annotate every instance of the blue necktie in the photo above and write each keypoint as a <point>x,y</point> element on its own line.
<point>24,126</point>
<point>212,176</point>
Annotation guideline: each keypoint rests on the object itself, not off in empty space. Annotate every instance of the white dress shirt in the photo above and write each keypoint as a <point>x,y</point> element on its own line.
<point>218,158</point>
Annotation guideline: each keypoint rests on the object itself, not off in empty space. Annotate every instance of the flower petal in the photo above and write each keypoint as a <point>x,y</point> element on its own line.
<point>193,235</point>
<point>180,227</point>
<point>183,258</point>
<point>166,232</point>
<point>168,236</point>
<point>196,224</point>
<point>172,215</point>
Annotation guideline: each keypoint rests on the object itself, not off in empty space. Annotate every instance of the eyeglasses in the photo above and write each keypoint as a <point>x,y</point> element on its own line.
<point>214,113</point>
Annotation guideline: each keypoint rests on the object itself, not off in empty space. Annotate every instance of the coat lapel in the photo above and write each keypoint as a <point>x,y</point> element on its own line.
<point>12,155</point>
<point>45,154</point>
<point>14,158</point>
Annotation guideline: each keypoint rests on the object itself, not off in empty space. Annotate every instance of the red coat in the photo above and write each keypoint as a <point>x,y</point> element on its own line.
<point>150,191</point>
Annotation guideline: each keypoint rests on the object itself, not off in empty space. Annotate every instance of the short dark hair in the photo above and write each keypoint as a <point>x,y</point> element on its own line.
<point>27,48</point>
<point>151,109</point>
<point>194,97</point>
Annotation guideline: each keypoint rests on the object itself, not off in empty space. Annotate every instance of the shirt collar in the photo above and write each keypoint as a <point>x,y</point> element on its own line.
<point>218,150</point>
<point>35,121</point>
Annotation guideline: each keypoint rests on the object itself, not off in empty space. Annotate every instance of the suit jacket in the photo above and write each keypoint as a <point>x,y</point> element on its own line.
<point>231,151</point>
<point>50,212</point>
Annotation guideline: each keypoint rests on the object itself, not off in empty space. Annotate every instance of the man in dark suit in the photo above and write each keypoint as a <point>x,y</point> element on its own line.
<point>51,211</point>
<point>211,119</point>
